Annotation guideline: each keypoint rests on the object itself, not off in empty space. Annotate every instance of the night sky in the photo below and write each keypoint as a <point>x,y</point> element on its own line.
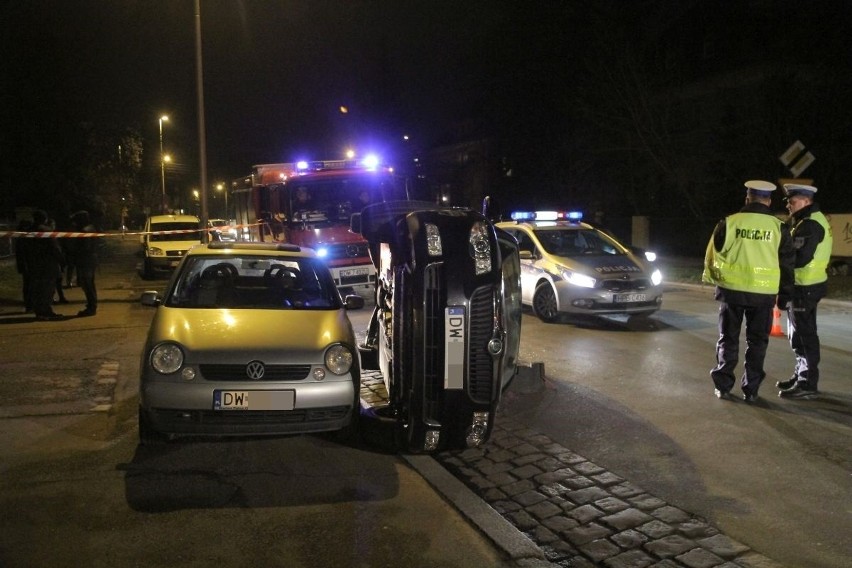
<point>276,73</point>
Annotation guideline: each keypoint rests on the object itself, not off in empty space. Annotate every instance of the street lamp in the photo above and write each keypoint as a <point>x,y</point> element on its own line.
<point>163,119</point>
<point>221,187</point>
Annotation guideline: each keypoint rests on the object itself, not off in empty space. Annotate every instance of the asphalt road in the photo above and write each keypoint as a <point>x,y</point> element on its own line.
<point>634,400</point>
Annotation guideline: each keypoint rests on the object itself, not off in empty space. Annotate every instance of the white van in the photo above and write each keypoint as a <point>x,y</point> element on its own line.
<point>166,240</point>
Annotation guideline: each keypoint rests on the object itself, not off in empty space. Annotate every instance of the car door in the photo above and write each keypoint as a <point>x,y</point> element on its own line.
<point>530,272</point>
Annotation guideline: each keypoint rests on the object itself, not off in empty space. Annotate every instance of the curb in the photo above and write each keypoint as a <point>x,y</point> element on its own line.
<point>504,534</point>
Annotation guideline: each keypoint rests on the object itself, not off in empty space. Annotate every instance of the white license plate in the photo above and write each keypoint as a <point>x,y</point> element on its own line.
<point>254,400</point>
<point>627,298</point>
<point>354,272</point>
<point>454,347</point>
<point>174,263</point>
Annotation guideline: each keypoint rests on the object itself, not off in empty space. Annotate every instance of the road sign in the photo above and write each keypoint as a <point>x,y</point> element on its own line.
<point>802,164</point>
<point>793,155</point>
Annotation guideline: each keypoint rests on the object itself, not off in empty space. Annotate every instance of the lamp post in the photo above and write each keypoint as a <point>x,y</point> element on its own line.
<point>221,187</point>
<point>162,119</point>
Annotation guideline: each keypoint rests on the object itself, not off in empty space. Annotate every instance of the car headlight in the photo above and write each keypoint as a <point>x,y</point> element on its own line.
<point>650,256</point>
<point>167,358</point>
<point>656,277</point>
<point>338,359</point>
<point>578,279</point>
<point>433,240</point>
<point>480,247</point>
<point>155,251</point>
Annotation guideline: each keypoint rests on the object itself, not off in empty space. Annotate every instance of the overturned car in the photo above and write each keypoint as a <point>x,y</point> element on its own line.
<point>445,331</point>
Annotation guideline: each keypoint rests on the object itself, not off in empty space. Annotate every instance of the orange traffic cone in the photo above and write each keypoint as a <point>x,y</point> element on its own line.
<point>776,330</point>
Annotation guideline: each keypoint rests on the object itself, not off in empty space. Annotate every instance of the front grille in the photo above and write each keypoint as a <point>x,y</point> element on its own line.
<point>175,252</point>
<point>433,326</point>
<point>360,279</point>
<point>625,285</point>
<point>344,251</point>
<point>249,417</point>
<point>222,372</point>
<point>480,363</point>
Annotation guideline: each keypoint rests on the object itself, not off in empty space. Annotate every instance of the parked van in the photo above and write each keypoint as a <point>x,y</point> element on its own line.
<point>166,240</point>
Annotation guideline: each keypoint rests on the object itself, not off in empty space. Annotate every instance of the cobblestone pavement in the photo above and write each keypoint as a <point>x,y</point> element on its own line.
<point>581,515</point>
<point>576,512</point>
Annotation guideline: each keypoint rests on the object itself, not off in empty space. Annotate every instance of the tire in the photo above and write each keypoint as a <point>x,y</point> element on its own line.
<point>544,303</point>
<point>147,435</point>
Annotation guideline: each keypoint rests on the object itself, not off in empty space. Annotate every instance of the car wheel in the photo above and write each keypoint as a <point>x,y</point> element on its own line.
<point>544,303</point>
<point>147,435</point>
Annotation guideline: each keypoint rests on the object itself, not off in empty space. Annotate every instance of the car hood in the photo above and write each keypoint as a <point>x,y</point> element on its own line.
<point>326,236</point>
<point>255,331</point>
<point>604,265</point>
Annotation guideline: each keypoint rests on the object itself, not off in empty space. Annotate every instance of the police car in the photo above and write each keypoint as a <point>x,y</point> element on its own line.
<point>572,267</point>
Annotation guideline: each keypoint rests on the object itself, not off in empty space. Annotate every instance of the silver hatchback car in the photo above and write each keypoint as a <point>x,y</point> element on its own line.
<point>572,267</point>
<point>249,339</point>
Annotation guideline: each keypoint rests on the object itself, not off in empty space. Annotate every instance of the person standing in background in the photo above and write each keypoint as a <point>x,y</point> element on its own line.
<point>60,294</point>
<point>22,245</point>
<point>750,260</point>
<point>812,241</point>
<point>84,255</point>
<point>44,261</point>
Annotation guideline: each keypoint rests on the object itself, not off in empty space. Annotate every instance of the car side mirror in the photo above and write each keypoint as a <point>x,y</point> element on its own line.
<point>526,255</point>
<point>353,302</point>
<point>150,298</point>
<point>355,223</point>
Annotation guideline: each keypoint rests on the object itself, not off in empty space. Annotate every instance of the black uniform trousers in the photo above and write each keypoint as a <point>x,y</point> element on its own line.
<point>805,343</point>
<point>86,281</point>
<point>758,320</point>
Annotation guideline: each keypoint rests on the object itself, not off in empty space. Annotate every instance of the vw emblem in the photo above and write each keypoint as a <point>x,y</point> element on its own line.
<point>352,251</point>
<point>255,370</point>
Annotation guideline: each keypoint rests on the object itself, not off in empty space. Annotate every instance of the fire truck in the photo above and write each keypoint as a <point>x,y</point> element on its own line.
<point>310,204</point>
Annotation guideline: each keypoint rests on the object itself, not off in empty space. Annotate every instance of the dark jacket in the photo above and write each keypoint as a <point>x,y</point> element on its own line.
<point>786,257</point>
<point>44,258</point>
<point>84,250</point>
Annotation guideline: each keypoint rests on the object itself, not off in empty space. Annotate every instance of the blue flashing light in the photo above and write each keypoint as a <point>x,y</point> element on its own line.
<point>570,216</point>
<point>301,165</point>
<point>370,162</point>
<point>322,252</point>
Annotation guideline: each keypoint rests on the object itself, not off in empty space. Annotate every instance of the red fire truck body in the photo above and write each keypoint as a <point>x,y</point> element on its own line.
<point>310,204</point>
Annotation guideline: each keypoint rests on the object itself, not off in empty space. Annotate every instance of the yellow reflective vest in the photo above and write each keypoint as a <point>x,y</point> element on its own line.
<point>748,261</point>
<point>816,271</point>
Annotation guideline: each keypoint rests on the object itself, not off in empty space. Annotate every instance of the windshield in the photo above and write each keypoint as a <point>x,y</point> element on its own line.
<point>578,241</point>
<point>190,232</point>
<point>253,282</point>
<point>333,201</point>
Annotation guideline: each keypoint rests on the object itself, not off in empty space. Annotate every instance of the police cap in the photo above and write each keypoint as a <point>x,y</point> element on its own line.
<point>760,188</point>
<point>791,189</point>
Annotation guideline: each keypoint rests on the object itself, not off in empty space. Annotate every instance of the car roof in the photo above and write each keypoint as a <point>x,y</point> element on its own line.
<point>252,249</point>
<point>173,219</point>
<point>546,225</point>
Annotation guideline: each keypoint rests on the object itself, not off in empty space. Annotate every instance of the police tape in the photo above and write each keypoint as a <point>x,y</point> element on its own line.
<point>74,235</point>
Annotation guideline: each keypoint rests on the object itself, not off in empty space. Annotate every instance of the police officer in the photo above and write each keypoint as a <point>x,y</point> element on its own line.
<point>812,242</point>
<point>750,260</point>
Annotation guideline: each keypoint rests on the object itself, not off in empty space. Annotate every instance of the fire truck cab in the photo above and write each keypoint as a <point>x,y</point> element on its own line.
<point>310,204</point>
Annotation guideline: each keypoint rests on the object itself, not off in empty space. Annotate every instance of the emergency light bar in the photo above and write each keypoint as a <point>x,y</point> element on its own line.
<point>570,216</point>
<point>265,174</point>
